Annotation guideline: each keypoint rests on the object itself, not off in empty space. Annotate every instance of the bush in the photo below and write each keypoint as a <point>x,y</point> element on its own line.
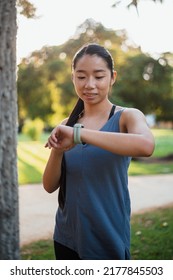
<point>33,128</point>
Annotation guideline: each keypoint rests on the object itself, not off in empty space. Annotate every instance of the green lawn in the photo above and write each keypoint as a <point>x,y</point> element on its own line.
<point>32,157</point>
<point>163,147</point>
<point>164,142</point>
<point>151,238</point>
<point>40,250</point>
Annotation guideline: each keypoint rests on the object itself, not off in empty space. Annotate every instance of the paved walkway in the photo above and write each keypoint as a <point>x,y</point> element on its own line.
<point>38,208</point>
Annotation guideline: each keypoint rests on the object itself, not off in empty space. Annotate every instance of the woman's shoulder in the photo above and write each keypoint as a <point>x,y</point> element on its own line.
<point>64,121</point>
<point>130,117</point>
<point>129,112</point>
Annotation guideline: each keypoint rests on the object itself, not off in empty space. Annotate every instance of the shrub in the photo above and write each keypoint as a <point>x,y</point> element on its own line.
<point>33,128</point>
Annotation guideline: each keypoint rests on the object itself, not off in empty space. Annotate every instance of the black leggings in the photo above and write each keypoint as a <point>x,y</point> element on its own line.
<point>64,253</point>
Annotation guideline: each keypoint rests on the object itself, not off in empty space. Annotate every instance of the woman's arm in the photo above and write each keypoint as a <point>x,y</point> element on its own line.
<point>135,138</point>
<point>52,171</point>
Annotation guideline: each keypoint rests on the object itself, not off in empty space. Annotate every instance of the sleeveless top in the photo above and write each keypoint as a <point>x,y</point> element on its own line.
<point>95,220</point>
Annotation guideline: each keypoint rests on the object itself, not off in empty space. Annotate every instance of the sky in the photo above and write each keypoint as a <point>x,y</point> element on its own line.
<point>57,21</point>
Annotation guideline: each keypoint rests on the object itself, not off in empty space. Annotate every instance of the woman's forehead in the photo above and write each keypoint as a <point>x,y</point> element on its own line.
<point>91,61</point>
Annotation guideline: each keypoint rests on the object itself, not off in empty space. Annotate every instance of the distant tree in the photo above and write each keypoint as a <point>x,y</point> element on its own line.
<point>34,97</point>
<point>40,78</point>
<point>146,83</point>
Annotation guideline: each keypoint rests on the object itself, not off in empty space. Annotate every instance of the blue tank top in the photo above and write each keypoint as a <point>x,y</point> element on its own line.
<point>95,221</point>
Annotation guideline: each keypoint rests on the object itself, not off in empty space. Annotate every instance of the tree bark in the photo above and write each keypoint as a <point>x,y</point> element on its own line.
<point>9,213</point>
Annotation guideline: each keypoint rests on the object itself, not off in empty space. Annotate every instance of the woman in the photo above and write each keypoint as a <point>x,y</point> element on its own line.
<point>91,152</point>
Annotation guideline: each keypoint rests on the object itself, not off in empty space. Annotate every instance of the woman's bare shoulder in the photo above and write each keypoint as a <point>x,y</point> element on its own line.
<point>129,111</point>
<point>64,121</point>
<point>130,118</point>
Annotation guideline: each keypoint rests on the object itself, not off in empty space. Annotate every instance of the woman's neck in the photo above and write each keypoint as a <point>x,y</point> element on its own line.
<point>94,117</point>
<point>96,110</point>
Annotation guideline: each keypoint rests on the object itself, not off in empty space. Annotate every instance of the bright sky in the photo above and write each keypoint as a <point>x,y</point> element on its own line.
<point>58,20</point>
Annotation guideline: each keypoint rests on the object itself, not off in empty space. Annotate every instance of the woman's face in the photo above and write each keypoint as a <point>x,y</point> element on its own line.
<point>92,79</point>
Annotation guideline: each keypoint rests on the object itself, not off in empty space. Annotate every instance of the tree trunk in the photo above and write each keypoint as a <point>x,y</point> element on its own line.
<point>9,214</point>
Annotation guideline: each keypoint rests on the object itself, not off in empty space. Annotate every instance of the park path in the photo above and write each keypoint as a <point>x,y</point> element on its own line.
<point>38,208</point>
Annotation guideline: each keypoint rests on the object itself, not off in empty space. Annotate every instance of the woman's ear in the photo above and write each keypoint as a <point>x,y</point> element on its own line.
<point>72,77</point>
<point>113,77</point>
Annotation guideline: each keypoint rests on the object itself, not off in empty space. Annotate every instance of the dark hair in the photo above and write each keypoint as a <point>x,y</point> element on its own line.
<point>62,183</point>
<point>91,49</point>
<point>94,49</point>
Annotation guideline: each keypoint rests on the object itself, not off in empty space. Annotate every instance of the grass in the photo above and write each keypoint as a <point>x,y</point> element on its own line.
<point>141,168</point>
<point>32,157</point>
<point>163,148</point>
<point>163,141</point>
<point>41,250</point>
<point>151,238</point>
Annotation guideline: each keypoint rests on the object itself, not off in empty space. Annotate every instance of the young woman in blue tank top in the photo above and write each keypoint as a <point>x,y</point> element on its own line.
<point>89,159</point>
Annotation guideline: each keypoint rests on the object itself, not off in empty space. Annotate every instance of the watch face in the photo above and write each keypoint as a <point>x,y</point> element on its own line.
<point>78,125</point>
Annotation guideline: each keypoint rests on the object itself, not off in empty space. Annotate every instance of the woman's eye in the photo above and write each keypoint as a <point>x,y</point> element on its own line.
<point>81,78</point>
<point>100,77</point>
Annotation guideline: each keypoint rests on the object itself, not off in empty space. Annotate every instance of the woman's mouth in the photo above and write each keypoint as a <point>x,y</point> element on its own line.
<point>90,94</point>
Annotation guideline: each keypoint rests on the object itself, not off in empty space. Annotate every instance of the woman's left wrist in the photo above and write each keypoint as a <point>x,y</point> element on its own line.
<point>77,133</point>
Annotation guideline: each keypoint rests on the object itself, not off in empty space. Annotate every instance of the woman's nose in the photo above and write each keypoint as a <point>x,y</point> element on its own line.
<point>90,83</point>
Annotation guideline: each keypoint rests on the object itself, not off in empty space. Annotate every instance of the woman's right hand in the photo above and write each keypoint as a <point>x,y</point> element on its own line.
<point>61,138</point>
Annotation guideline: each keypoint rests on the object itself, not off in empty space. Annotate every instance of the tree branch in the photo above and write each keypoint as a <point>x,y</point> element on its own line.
<point>26,8</point>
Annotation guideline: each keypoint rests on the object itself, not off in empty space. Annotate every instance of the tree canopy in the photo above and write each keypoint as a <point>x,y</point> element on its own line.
<point>45,88</point>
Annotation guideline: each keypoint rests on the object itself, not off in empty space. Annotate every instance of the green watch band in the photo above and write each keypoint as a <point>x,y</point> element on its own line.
<point>77,128</point>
